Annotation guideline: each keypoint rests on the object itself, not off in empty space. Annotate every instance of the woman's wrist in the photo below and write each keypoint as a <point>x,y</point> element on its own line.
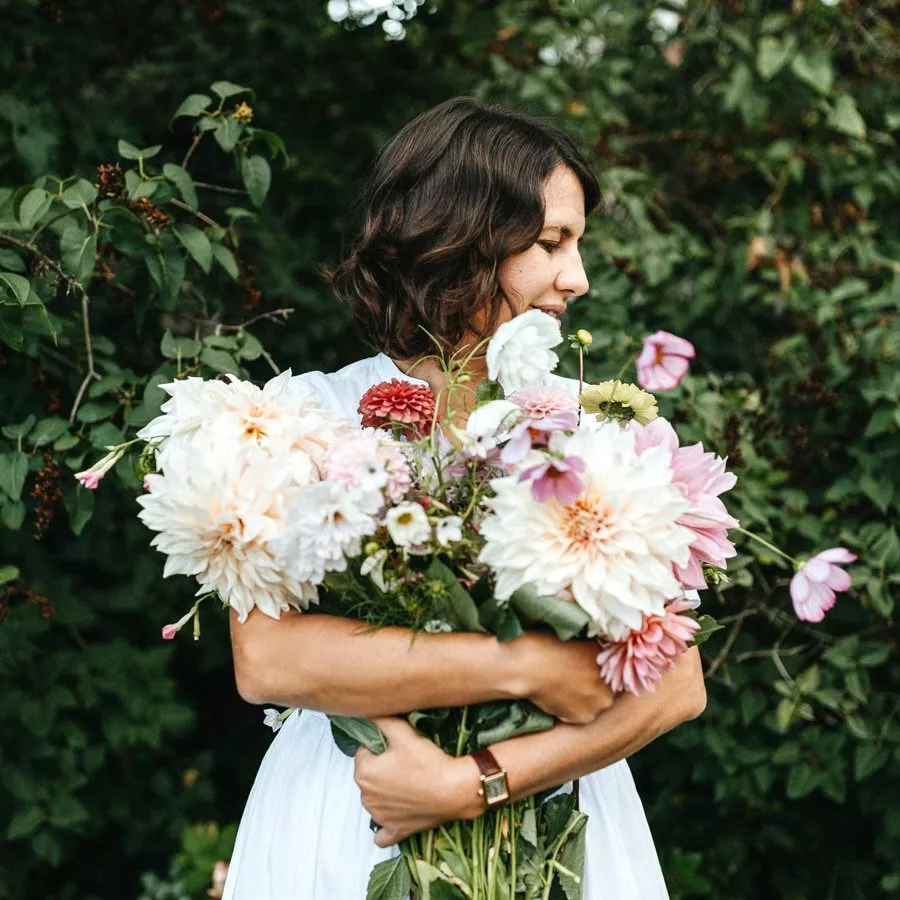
<point>463,780</point>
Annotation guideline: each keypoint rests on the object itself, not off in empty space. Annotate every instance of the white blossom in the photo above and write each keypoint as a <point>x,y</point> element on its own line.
<point>448,530</point>
<point>519,354</point>
<point>408,525</point>
<point>373,567</point>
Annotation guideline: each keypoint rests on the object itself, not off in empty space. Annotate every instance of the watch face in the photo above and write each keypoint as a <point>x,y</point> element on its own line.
<point>495,790</point>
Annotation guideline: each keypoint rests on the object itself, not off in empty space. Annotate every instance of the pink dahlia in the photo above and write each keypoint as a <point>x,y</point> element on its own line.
<point>814,586</point>
<point>701,477</point>
<point>365,461</point>
<point>411,406</point>
<point>639,660</point>
<point>545,402</point>
<point>663,361</point>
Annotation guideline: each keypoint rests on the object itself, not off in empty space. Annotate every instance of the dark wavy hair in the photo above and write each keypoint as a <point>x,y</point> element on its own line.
<point>455,192</point>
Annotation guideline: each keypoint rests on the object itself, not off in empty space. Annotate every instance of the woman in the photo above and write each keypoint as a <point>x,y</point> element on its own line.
<point>473,215</point>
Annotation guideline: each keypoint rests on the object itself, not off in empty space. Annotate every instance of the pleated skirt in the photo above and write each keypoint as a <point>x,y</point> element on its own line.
<point>305,835</point>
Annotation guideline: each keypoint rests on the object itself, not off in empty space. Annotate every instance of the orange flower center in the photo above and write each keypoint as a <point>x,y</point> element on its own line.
<point>582,520</point>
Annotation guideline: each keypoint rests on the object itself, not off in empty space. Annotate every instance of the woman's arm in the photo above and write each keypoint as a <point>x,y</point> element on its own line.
<point>414,786</point>
<point>341,666</point>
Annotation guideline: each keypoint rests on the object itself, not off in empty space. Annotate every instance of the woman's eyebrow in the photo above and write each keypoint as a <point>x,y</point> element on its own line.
<point>564,230</point>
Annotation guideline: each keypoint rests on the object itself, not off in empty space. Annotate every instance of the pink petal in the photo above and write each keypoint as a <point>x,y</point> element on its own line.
<point>837,555</point>
<point>672,343</point>
<point>816,569</point>
<point>675,366</point>
<point>838,579</point>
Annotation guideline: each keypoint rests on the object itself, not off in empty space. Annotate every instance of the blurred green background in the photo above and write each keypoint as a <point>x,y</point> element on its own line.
<point>751,181</point>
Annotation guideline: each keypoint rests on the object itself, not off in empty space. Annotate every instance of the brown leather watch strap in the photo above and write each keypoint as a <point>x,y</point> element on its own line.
<point>486,762</point>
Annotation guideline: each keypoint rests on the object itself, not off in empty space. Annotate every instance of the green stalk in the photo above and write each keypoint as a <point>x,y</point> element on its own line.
<point>765,543</point>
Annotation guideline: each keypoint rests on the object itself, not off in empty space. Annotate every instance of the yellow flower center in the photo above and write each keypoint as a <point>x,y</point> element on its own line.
<point>582,520</point>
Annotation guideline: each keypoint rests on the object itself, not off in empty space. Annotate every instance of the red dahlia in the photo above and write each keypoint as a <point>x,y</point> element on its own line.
<point>411,406</point>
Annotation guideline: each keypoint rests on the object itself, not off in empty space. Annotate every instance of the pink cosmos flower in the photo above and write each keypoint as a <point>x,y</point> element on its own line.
<point>814,586</point>
<point>639,660</point>
<point>663,361</point>
<point>555,478</point>
<point>701,477</point>
<point>536,433</point>
<point>544,402</point>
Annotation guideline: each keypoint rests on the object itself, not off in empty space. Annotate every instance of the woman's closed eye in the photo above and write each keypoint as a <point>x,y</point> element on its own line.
<point>549,246</point>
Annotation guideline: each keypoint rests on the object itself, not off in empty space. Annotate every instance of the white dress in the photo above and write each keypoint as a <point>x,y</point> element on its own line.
<point>305,835</point>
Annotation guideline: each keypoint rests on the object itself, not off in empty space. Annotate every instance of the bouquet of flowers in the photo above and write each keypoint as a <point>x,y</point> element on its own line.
<point>552,507</point>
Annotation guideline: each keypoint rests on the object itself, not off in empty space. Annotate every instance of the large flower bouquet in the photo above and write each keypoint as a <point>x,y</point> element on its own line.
<point>550,507</point>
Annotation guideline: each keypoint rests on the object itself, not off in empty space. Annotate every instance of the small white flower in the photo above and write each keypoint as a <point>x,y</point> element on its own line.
<point>487,427</point>
<point>448,530</point>
<point>273,718</point>
<point>666,20</point>
<point>437,626</point>
<point>408,525</point>
<point>373,567</point>
<point>519,354</point>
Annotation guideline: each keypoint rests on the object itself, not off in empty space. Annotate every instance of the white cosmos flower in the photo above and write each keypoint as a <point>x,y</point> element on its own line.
<point>487,426</point>
<point>408,525</point>
<point>613,548</point>
<point>519,354</point>
<point>278,418</point>
<point>448,530</point>
<point>326,524</point>
<point>216,510</point>
<point>373,567</point>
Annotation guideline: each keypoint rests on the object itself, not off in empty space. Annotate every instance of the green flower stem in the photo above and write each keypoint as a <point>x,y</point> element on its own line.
<point>765,543</point>
<point>626,364</point>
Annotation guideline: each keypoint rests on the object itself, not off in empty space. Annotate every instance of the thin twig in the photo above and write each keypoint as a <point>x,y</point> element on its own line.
<point>86,324</point>
<point>191,149</point>
<point>219,188</point>
<point>268,358</point>
<point>47,260</point>
<point>274,314</point>
<point>201,216</point>
<point>729,642</point>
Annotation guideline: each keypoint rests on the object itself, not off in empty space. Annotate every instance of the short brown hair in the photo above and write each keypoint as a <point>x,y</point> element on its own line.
<point>454,193</point>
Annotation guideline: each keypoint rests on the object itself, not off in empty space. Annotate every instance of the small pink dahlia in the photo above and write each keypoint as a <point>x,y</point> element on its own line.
<point>409,405</point>
<point>639,660</point>
<point>544,402</point>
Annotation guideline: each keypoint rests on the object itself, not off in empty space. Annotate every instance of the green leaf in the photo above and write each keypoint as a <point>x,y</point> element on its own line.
<point>12,515</point>
<point>17,286</point>
<point>219,360</point>
<point>771,56</point>
<point>708,627</point>
<point>565,617</point>
<point>25,822</point>
<point>868,759</point>
<point>359,732</point>
<point>465,612</point>
<point>488,391</point>
<point>802,780</point>
<point>250,347</point>
<point>19,430</point>
<point>814,69</point>
<point>78,194</point>
<point>11,260</point>
<point>105,435</point>
<point>389,880</point>
<point>257,177</point>
<point>129,151</point>
<point>8,574</point>
<point>179,347</point>
<point>79,503</point>
<point>96,411</point>
<point>48,430</point>
<point>192,105</point>
<point>79,252</point>
<point>183,182</point>
<point>845,117</point>
<point>227,132</point>
<point>33,206</point>
<point>571,858</point>
<point>197,245</point>
<point>225,259</point>
<point>225,89</point>
<point>886,550</point>
<point>13,471</point>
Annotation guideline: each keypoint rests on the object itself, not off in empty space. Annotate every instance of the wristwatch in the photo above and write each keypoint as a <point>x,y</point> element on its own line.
<point>494,788</point>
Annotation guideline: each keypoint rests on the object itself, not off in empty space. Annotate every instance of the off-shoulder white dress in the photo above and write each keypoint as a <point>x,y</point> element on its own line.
<point>305,835</point>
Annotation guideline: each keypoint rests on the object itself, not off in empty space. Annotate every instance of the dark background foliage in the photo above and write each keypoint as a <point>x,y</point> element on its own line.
<point>749,161</point>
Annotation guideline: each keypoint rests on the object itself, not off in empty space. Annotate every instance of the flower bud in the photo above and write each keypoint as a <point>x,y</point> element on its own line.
<point>584,337</point>
<point>371,548</point>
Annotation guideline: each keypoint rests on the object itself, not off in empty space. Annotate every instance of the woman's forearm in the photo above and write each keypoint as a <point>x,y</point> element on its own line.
<point>340,666</point>
<point>537,762</point>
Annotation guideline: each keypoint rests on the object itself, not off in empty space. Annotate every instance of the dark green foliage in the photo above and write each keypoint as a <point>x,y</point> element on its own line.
<point>751,178</point>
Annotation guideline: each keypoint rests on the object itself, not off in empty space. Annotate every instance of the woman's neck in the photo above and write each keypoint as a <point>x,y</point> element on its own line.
<point>454,404</point>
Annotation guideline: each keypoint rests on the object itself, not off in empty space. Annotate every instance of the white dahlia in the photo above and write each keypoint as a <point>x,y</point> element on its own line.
<point>278,418</point>
<point>216,512</point>
<point>365,460</point>
<point>519,354</point>
<point>326,524</point>
<point>612,548</point>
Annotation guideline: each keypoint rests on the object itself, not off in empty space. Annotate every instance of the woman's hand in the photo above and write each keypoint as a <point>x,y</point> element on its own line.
<point>563,678</point>
<point>414,785</point>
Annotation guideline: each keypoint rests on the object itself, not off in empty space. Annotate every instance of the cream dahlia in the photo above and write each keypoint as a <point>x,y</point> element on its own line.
<point>519,354</point>
<point>216,512</point>
<point>613,547</point>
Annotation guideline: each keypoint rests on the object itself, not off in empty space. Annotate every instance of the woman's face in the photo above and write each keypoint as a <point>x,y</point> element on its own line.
<point>550,273</point>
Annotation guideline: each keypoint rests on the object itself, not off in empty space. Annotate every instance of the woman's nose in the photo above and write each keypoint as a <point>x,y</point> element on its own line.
<point>572,279</point>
